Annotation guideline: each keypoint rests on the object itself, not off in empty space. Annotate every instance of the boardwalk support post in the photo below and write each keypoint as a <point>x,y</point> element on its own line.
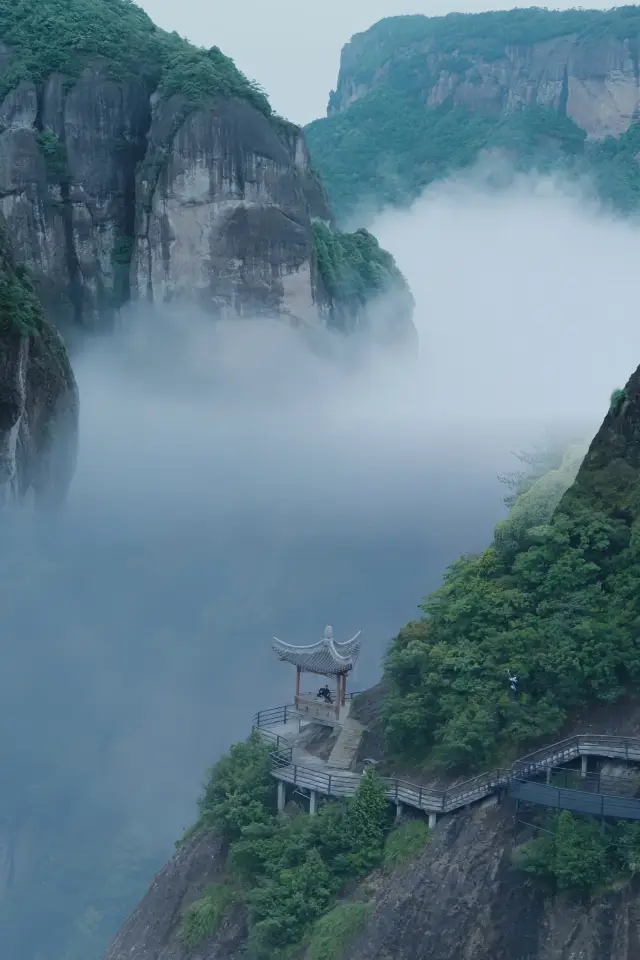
<point>398,811</point>
<point>583,765</point>
<point>549,769</point>
<point>433,817</point>
<point>312,803</point>
<point>281,795</point>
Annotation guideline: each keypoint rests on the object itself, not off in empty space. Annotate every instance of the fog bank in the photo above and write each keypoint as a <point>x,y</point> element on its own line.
<point>232,485</point>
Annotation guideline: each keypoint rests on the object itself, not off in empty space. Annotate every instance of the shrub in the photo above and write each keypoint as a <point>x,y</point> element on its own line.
<point>332,934</point>
<point>617,399</point>
<point>203,917</point>
<point>241,791</point>
<point>574,854</point>
<point>405,842</point>
<point>291,868</point>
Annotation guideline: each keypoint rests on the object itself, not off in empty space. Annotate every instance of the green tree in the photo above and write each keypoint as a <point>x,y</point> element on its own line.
<point>240,792</point>
<point>367,823</point>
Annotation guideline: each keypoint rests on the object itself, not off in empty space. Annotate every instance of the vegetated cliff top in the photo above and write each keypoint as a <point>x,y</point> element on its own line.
<point>556,602</point>
<point>62,36</point>
<point>482,35</point>
<point>419,97</point>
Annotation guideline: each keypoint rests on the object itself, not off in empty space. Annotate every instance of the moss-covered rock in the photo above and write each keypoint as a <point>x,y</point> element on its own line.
<point>38,392</point>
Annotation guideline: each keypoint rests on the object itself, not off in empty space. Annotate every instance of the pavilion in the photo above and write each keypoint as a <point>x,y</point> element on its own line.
<point>326,658</point>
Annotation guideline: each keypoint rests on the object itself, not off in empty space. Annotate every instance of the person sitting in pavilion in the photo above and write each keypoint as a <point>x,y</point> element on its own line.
<point>325,694</point>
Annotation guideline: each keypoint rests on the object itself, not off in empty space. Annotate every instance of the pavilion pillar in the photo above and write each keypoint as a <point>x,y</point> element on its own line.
<point>297,684</point>
<point>338,698</point>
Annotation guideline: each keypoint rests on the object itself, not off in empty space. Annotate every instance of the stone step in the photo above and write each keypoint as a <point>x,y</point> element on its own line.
<point>346,746</point>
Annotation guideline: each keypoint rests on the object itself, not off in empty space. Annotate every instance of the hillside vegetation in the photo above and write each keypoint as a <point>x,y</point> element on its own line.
<point>285,871</point>
<point>354,270</point>
<point>554,599</point>
<point>48,36</point>
<point>388,145</point>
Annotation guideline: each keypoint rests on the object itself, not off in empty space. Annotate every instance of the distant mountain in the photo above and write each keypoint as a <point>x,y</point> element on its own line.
<point>421,97</point>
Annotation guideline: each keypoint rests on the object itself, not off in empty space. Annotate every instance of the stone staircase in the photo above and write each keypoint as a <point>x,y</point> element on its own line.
<point>346,746</point>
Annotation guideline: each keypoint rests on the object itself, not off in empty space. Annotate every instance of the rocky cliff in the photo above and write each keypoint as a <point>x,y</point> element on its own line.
<point>545,85</point>
<point>38,393</point>
<point>133,165</point>
<point>459,897</point>
<point>588,71</point>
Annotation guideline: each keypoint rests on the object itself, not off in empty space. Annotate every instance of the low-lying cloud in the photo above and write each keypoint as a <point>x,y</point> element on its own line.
<point>232,485</point>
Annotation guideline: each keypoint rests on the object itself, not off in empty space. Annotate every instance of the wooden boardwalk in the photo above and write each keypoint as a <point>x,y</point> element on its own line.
<point>518,780</point>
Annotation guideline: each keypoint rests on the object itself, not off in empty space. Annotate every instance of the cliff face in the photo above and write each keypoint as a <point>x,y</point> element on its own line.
<point>460,898</point>
<point>420,97</point>
<point>222,212</point>
<point>38,394</point>
<point>107,196</point>
<point>152,932</point>
<point>157,173</point>
<point>593,80</point>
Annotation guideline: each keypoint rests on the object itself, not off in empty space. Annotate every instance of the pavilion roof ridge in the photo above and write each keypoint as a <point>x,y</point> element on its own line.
<point>326,656</point>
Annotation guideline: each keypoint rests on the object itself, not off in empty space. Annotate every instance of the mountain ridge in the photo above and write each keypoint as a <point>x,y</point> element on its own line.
<point>419,98</point>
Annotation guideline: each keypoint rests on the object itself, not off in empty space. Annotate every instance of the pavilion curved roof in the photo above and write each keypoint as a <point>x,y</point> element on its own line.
<point>328,657</point>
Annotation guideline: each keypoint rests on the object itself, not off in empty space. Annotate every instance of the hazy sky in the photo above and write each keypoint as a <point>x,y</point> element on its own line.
<point>292,47</point>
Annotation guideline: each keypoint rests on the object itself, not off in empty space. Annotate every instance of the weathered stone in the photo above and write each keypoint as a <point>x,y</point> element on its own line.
<point>112,192</point>
<point>38,394</point>
<point>593,79</point>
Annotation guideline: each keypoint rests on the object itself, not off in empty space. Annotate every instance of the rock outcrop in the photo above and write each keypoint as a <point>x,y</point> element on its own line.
<point>38,394</point>
<point>592,78</point>
<point>161,175</point>
<point>152,932</point>
<point>107,197</point>
<point>459,898</point>
<point>462,899</point>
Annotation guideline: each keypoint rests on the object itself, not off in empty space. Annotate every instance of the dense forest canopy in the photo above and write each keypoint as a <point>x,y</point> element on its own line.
<point>49,36</point>
<point>387,145</point>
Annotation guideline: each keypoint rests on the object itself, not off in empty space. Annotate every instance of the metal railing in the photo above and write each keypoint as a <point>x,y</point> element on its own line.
<point>467,792</point>
<point>578,801</point>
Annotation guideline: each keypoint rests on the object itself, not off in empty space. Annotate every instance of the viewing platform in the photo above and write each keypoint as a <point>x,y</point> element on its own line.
<point>542,778</point>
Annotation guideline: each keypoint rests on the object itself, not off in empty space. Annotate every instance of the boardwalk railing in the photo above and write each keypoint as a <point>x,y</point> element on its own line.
<point>578,801</point>
<point>516,779</point>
